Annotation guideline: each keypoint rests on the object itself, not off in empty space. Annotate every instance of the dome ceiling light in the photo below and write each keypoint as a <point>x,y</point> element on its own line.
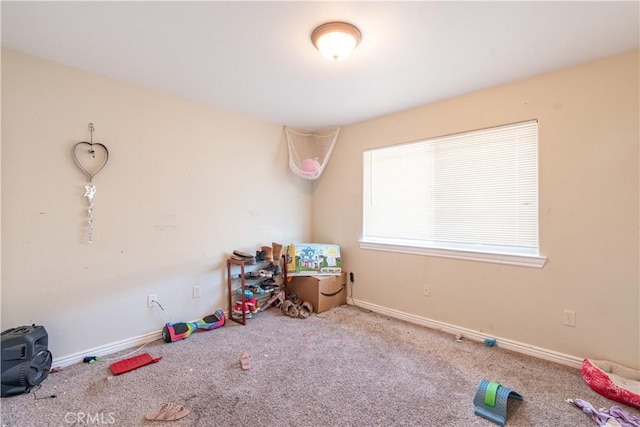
<point>336,40</point>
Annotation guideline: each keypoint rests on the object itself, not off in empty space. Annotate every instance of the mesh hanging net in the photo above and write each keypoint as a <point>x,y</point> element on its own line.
<point>310,152</point>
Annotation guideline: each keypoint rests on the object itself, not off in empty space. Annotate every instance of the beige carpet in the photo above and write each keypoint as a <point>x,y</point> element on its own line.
<point>344,367</point>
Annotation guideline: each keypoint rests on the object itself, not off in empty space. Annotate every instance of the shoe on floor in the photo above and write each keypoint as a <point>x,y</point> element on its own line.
<point>168,412</point>
<point>245,360</point>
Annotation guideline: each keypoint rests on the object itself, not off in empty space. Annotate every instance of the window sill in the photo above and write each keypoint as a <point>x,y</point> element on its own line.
<point>519,260</point>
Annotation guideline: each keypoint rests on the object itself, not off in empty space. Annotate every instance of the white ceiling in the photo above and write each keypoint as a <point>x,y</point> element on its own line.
<point>257,58</point>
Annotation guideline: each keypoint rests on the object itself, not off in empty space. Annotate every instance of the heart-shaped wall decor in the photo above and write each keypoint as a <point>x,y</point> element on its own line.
<point>91,157</point>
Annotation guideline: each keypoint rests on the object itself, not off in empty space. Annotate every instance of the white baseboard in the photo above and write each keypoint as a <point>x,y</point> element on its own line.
<point>102,350</point>
<point>516,346</point>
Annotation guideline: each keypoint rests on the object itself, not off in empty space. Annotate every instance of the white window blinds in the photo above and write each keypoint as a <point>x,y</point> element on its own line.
<point>474,191</point>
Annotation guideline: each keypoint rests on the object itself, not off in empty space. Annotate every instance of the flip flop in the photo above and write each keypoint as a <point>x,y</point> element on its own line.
<point>168,412</point>
<point>245,360</point>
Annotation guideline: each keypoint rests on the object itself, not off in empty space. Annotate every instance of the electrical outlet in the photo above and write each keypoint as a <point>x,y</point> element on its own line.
<point>196,291</point>
<point>425,290</point>
<point>569,318</point>
<point>150,300</point>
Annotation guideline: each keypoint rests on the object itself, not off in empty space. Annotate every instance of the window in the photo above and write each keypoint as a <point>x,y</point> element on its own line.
<point>472,195</point>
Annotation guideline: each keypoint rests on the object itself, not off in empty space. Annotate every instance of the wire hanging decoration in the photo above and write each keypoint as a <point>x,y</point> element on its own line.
<point>309,153</point>
<point>90,157</point>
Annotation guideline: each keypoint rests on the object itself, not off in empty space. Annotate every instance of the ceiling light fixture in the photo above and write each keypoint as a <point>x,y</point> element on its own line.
<point>336,40</point>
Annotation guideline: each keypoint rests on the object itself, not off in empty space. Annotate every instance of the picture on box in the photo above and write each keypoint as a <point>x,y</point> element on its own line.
<point>313,258</point>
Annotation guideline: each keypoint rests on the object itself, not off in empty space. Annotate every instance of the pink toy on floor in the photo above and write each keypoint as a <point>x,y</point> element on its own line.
<point>613,381</point>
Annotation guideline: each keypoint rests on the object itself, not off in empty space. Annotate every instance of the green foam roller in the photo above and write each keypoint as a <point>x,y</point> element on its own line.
<point>490,394</point>
<point>491,401</point>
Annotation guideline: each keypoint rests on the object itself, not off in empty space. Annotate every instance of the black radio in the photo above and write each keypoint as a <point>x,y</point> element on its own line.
<point>26,359</point>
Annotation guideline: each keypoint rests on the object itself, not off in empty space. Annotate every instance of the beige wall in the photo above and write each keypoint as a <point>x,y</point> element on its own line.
<point>589,219</point>
<point>185,185</point>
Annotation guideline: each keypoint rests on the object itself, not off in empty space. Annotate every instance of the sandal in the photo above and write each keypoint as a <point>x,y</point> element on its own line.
<point>305,310</point>
<point>168,412</point>
<point>245,358</point>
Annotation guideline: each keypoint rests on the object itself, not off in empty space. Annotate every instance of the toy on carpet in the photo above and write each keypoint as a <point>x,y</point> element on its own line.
<point>490,342</point>
<point>491,401</point>
<point>613,381</point>
<point>181,330</point>
<point>614,416</point>
<point>132,363</point>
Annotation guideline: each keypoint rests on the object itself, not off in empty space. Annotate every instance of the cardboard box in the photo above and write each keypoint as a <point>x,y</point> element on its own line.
<point>323,292</point>
<point>313,259</point>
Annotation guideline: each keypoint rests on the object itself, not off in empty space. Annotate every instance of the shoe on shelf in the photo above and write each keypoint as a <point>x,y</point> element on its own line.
<point>267,288</point>
<point>254,274</point>
<point>277,250</point>
<point>257,290</point>
<point>249,261</point>
<point>268,251</point>
<point>238,314</point>
<point>242,254</point>
<point>274,269</point>
<point>247,293</point>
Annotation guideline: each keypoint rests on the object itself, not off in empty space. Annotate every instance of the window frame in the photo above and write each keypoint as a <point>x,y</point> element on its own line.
<point>481,253</point>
